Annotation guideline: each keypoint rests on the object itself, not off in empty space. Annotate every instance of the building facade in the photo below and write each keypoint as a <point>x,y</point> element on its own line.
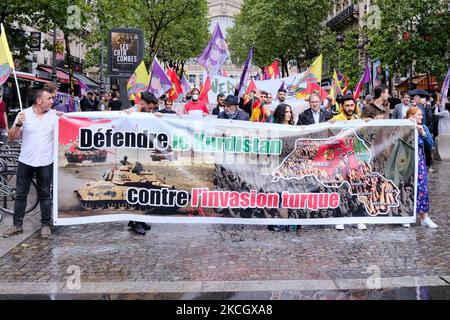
<point>347,15</point>
<point>224,13</point>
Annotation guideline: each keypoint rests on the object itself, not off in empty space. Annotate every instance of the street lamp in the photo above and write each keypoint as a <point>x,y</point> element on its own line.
<point>102,80</point>
<point>54,77</point>
<point>340,42</point>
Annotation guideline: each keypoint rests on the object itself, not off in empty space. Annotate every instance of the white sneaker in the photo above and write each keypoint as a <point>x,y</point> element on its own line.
<point>361,226</point>
<point>406,225</point>
<point>339,227</point>
<point>427,222</point>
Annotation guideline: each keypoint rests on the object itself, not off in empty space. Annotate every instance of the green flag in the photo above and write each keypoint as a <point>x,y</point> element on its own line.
<point>401,163</point>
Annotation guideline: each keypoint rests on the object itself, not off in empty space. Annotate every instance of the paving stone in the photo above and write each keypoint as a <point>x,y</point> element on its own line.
<point>108,252</point>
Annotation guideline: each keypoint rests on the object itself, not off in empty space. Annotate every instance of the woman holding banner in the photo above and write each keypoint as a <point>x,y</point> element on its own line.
<point>425,139</point>
<point>283,115</point>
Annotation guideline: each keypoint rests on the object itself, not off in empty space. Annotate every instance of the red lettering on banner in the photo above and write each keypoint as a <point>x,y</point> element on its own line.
<point>311,201</point>
<point>233,199</point>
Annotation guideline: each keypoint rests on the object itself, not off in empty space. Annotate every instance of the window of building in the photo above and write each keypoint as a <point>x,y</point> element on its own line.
<point>225,22</point>
<point>192,78</point>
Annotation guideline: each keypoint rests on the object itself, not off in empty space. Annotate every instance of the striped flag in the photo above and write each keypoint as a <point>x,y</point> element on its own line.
<point>365,78</point>
<point>444,91</point>
<point>6,60</point>
<point>245,73</point>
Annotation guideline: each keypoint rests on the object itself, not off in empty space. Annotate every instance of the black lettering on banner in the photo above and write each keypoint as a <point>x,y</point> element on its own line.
<point>99,140</point>
<point>157,197</point>
<point>130,139</point>
<point>122,139</point>
<point>117,139</point>
<point>85,138</point>
<point>182,199</point>
<point>163,141</point>
<point>141,140</point>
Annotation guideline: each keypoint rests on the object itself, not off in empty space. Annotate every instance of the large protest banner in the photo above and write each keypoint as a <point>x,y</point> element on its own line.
<point>227,85</point>
<point>111,166</point>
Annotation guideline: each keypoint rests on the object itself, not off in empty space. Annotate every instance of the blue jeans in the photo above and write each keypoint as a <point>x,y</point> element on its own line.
<point>44,176</point>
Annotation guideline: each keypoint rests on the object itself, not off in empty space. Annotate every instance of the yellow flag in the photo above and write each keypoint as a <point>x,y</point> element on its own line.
<point>138,82</point>
<point>316,68</point>
<point>312,75</point>
<point>335,87</point>
<point>6,60</point>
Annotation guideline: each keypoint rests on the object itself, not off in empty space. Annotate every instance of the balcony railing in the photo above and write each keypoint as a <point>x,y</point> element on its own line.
<point>346,16</point>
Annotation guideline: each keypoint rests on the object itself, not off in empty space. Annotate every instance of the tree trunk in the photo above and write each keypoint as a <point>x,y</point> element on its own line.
<point>182,70</point>
<point>284,68</point>
<point>69,61</point>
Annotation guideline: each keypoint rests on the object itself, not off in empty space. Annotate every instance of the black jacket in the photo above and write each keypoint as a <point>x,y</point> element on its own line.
<point>167,111</point>
<point>88,105</point>
<point>306,117</point>
<point>215,111</point>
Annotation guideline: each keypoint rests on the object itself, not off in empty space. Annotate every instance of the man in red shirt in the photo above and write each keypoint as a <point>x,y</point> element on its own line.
<point>195,104</point>
<point>3,121</point>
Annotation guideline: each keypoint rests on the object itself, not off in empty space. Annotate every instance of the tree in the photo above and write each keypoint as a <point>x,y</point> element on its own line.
<point>346,57</point>
<point>185,39</point>
<point>69,17</point>
<point>412,32</point>
<point>16,13</point>
<point>284,30</point>
<point>176,30</point>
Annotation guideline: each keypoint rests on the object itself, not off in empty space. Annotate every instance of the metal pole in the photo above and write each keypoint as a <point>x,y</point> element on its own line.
<point>54,77</point>
<point>18,89</point>
<point>102,82</point>
<point>339,60</point>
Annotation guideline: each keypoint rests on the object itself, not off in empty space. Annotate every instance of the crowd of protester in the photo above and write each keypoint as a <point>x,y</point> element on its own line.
<point>259,106</point>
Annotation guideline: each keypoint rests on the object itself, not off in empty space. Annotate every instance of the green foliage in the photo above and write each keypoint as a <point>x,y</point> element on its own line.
<point>428,46</point>
<point>176,30</point>
<point>13,18</point>
<point>287,30</point>
<point>347,54</point>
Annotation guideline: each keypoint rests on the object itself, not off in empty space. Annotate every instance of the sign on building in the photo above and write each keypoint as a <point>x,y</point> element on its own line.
<point>125,50</point>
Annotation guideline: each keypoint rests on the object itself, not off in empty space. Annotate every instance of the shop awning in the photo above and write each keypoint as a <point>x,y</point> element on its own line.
<point>29,76</point>
<point>61,75</point>
<point>87,81</point>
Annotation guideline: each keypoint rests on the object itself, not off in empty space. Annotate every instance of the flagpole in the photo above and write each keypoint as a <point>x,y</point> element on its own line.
<point>18,89</point>
<point>9,60</point>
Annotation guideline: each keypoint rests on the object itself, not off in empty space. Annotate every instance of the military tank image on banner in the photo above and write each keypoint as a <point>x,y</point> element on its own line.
<point>76,155</point>
<point>111,193</point>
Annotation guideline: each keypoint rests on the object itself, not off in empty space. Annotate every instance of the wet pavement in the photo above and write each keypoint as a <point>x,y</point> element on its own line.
<point>106,261</point>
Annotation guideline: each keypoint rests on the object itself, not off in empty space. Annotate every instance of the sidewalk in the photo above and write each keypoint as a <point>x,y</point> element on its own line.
<point>183,260</point>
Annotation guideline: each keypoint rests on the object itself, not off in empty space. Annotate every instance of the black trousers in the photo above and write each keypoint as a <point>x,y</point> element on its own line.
<point>44,176</point>
<point>428,157</point>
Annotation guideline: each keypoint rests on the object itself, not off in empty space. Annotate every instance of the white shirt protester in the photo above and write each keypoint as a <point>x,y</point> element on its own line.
<point>37,147</point>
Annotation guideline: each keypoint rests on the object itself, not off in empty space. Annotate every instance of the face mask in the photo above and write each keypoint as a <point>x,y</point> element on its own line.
<point>231,114</point>
<point>195,97</point>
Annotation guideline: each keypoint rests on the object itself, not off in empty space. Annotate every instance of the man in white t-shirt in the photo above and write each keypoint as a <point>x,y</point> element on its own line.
<point>35,126</point>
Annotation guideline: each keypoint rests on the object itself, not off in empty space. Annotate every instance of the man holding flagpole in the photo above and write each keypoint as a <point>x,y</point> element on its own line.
<point>35,126</point>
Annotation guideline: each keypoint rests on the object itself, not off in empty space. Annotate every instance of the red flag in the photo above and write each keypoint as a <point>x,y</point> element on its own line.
<point>312,86</point>
<point>272,71</point>
<point>204,89</point>
<point>258,114</point>
<point>344,90</point>
<point>365,78</point>
<point>176,89</point>
<point>251,87</point>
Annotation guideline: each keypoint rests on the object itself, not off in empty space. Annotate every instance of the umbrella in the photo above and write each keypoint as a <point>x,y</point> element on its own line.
<point>418,92</point>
